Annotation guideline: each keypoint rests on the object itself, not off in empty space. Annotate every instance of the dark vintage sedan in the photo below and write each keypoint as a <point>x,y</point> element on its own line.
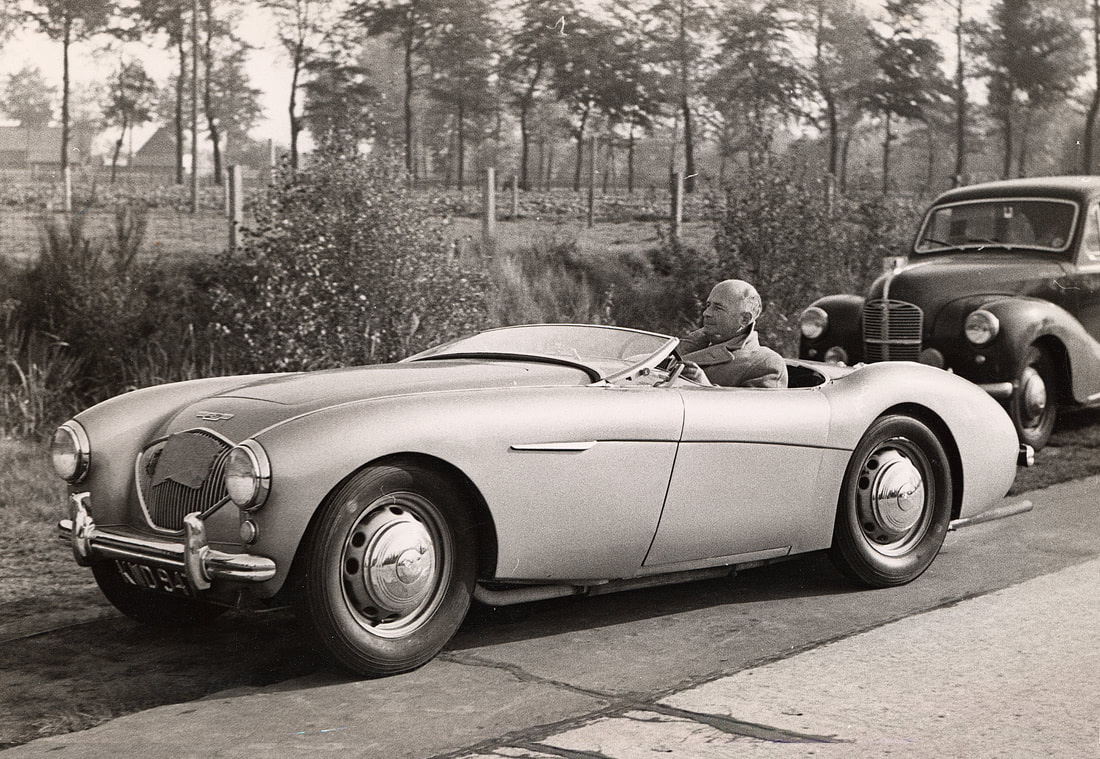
<point>513,465</point>
<point>1001,286</point>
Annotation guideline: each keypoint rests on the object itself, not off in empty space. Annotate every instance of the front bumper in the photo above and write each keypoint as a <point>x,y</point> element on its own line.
<point>198,562</point>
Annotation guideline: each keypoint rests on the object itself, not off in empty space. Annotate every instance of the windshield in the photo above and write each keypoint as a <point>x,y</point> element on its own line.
<point>1034,223</point>
<point>611,352</point>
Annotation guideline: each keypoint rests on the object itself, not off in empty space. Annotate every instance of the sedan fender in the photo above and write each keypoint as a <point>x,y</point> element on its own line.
<point>843,330</point>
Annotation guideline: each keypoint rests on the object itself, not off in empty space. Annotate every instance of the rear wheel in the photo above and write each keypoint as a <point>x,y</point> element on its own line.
<point>151,607</point>
<point>390,569</point>
<point>895,504</point>
<point>1032,406</point>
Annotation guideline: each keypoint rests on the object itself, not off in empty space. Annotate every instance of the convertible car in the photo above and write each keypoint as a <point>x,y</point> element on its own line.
<point>517,464</point>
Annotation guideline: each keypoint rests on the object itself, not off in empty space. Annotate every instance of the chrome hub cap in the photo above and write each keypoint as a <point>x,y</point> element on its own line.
<point>893,500</point>
<point>392,565</point>
<point>1033,394</point>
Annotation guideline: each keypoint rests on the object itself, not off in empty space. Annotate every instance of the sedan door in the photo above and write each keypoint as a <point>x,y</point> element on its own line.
<point>745,482</point>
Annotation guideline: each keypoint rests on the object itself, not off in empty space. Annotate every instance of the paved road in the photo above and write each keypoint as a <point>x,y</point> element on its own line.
<point>991,653</point>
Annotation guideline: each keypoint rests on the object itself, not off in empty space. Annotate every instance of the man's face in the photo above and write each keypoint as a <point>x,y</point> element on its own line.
<point>723,315</point>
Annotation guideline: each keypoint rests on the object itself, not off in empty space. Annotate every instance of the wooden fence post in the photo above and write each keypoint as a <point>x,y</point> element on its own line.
<point>489,212</point>
<point>236,206</point>
<point>515,197</point>
<point>68,189</point>
<point>677,219</point>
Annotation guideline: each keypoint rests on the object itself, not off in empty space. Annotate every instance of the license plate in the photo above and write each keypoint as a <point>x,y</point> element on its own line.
<point>154,578</point>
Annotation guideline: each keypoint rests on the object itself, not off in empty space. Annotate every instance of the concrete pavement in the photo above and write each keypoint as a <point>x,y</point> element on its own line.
<point>788,662</point>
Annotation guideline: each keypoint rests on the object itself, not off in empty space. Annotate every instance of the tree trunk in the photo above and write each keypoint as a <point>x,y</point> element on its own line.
<point>180,84</point>
<point>960,100</point>
<point>461,135</point>
<point>1094,106</point>
<point>118,149</point>
<point>630,162</point>
<point>524,149</point>
<point>207,104</point>
<point>1006,123</point>
<point>689,146</point>
<point>886,157</point>
<point>579,133</point>
<point>292,108</point>
<point>409,85</point>
<point>65,42</point>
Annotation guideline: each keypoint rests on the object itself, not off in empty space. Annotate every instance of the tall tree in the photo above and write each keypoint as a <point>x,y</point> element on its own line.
<point>843,62</point>
<point>229,101</point>
<point>131,100</point>
<point>535,48</point>
<point>414,24</point>
<point>758,82</point>
<point>908,78</point>
<point>340,101</point>
<point>1033,56</point>
<point>682,32</point>
<point>27,98</point>
<point>68,22</point>
<point>463,68</point>
<point>303,28</point>
<point>170,17</point>
<point>634,96</point>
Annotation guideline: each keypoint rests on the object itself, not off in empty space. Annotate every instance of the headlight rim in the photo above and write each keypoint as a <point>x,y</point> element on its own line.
<point>260,467</point>
<point>992,326</point>
<point>83,449</point>
<point>823,324</point>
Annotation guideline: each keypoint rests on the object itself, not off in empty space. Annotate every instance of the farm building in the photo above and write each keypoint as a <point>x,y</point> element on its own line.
<point>30,148</point>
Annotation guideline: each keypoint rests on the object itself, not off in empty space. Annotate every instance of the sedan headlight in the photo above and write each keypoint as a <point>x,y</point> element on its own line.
<point>813,322</point>
<point>247,476</point>
<point>981,327</point>
<point>70,452</point>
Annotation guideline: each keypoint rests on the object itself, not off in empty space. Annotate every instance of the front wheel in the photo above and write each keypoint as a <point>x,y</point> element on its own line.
<point>390,569</point>
<point>895,504</point>
<point>1032,406</point>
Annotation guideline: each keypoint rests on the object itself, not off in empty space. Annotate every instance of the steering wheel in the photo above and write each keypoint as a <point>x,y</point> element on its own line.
<point>675,369</point>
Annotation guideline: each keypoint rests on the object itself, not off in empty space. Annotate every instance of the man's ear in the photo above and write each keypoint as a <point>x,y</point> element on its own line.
<point>746,318</point>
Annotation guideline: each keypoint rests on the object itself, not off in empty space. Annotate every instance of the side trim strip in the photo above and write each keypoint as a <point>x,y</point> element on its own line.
<point>565,446</point>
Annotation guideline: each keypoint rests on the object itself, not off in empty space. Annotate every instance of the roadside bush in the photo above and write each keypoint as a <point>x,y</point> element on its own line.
<point>342,268</point>
<point>779,231</point>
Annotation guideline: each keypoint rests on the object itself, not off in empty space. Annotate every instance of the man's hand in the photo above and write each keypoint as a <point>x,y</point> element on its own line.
<point>695,373</point>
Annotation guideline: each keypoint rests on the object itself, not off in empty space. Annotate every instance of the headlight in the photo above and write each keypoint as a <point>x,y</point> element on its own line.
<point>70,452</point>
<point>247,476</point>
<point>981,327</point>
<point>813,322</point>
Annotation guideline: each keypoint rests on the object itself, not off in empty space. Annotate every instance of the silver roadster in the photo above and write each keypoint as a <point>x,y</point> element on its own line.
<point>517,464</point>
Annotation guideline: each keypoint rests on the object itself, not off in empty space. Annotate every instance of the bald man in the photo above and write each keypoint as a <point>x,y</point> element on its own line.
<point>726,351</point>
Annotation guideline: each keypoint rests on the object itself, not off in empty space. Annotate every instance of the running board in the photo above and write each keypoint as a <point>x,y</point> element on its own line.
<point>1008,510</point>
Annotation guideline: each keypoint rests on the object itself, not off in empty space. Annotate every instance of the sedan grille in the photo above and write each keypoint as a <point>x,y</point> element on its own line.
<point>892,331</point>
<point>180,475</point>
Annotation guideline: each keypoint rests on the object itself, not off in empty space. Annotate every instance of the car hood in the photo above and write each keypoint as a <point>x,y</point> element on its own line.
<point>931,282</point>
<point>246,409</point>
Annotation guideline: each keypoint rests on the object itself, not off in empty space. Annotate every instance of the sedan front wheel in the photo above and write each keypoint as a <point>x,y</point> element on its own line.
<point>390,569</point>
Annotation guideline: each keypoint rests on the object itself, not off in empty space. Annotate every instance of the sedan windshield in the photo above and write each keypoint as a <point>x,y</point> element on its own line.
<point>1009,223</point>
<point>611,351</point>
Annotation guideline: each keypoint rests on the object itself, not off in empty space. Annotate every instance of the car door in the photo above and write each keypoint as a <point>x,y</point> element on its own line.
<point>745,480</point>
<point>1086,279</point>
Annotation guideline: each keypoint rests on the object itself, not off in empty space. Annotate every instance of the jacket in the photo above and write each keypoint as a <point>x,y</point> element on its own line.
<point>740,362</point>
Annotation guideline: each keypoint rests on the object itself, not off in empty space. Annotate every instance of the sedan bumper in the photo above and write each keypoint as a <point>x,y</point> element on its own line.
<point>198,562</point>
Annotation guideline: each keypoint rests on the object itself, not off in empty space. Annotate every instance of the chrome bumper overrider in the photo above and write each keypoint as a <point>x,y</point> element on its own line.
<point>199,563</point>
<point>1002,391</point>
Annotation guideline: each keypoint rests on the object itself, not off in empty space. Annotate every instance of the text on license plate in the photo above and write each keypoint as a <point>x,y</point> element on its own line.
<point>154,578</point>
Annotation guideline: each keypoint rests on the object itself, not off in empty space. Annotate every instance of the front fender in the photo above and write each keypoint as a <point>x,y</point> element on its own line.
<point>844,329</point>
<point>1025,322</point>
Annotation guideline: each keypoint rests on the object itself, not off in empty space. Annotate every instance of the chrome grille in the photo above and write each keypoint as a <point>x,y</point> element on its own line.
<point>892,330</point>
<point>168,502</point>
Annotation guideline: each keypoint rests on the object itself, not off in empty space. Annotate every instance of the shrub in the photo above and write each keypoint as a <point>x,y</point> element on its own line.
<point>342,268</point>
<point>779,231</point>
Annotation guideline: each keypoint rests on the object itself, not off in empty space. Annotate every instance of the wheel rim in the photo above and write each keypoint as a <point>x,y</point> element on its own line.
<point>394,564</point>
<point>894,497</point>
<point>1033,397</point>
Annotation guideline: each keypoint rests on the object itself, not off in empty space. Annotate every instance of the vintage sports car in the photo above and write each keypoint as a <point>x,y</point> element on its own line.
<point>517,464</point>
<point>1002,287</point>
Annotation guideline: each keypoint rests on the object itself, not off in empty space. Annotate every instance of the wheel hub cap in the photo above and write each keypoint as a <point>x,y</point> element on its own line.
<point>897,494</point>
<point>390,564</point>
<point>1034,393</point>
